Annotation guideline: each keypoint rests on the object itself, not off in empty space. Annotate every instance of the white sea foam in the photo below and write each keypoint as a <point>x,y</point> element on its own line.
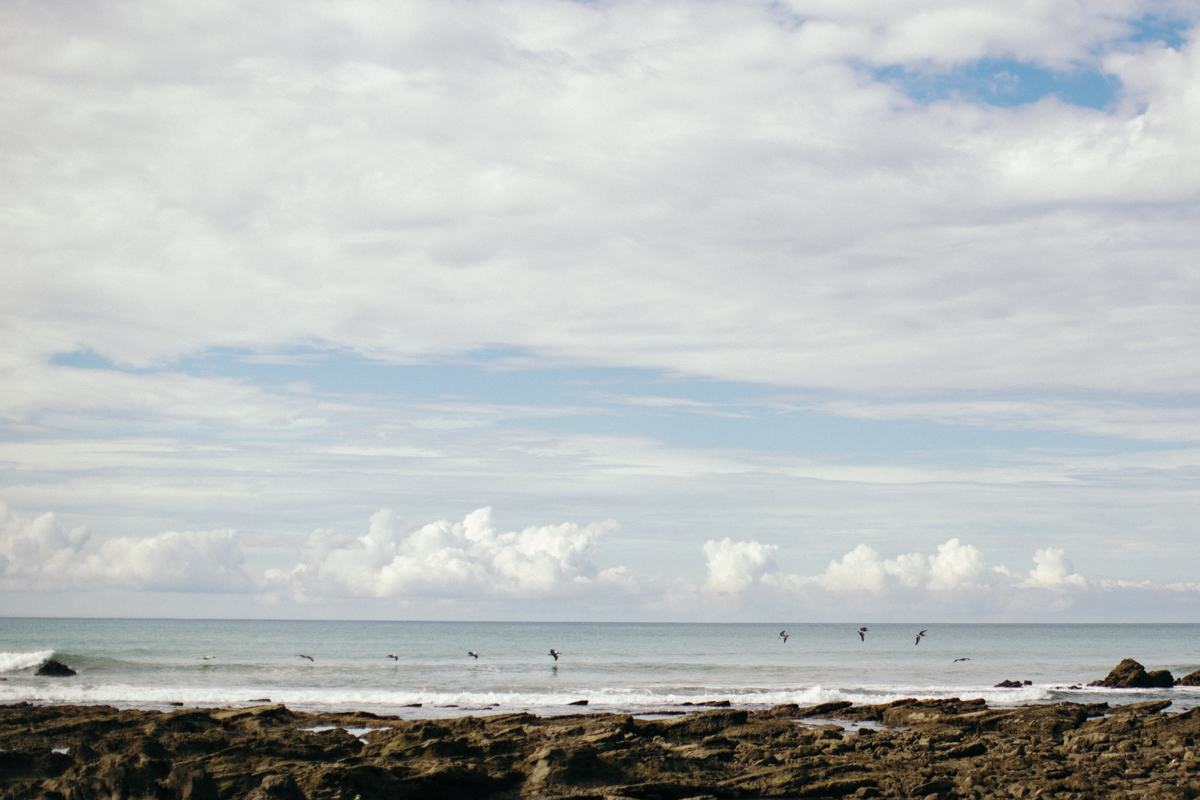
<point>451,703</point>
<point>10,662</point>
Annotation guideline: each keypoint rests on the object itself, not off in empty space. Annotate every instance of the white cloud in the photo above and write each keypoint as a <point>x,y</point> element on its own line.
<point>1054,570</point>
<point>453,560</point>
<point>30,548</point>
<point>359,178</point>
<point>913,583</point>
<point>955,565</point>
<point>721,189</point>
<point>470,564</point>
<point>733,566</point>
<point>41,554</point>
<point>188,561</point>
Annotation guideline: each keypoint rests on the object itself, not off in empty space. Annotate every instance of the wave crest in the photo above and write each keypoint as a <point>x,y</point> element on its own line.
<point>11,662</point>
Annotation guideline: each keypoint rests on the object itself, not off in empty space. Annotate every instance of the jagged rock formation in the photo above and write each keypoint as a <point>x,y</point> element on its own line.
<point>54,669</point>
<point>1129,674</point>
<point>1191,679</point>
<point>945,749</point>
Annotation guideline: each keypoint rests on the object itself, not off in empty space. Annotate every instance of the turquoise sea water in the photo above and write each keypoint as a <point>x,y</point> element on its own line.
<point>614,666</point>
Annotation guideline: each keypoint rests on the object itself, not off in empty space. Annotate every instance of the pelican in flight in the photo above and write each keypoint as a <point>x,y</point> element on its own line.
<point>919,635</point>
<point>554,653</point>
<point>862,633</point>
<point>784,635</point>
<point>310,658</point>
<point>393,657</point>
<point>475,655</point>
<point>206,658</point>
<point>955,661</point>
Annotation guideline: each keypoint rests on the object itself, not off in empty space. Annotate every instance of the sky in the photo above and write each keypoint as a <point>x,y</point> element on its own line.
<point>716,310</point>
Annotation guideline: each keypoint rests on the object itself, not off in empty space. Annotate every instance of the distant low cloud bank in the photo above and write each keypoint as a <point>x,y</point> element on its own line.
<point>42,554</point>
<point>475,561</point>
<point>444,559</point>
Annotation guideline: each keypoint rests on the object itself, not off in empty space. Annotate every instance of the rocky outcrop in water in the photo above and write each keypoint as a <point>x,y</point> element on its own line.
<point>1191,679</point>
<point>906,749</point>
<point>1129,674</point>
<point>54,669</point>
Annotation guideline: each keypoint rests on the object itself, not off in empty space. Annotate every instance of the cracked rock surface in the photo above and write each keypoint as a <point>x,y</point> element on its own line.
<point>906,749</point>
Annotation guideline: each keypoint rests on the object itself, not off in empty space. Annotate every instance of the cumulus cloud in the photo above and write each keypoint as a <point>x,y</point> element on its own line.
<point>461,559</point>
<point>954,566</point>
<point>733,566</point>
<point>188,561</point>
<point>956,573</point>
<point>40,553</point>
<point>32,548</point>
<point>1054,571</point>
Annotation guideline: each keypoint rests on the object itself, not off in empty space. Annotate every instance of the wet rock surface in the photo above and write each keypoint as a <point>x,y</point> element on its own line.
<point>907,749</point>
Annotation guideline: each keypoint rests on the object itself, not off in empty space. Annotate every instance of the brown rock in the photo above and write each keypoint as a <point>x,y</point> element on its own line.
<point>1191,679</point>
<point>947,748</point>
<point>1129,674</point>
<point>825,709</point>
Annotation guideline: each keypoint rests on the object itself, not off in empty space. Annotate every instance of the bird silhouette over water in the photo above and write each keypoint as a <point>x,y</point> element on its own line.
<point>206,658</point>
<point>784,635</point>
<point>862,633</point>
<point>393,657</point>
<point>554,653</point>
<point>919,635</point>
<point>955,661</point>
<point>475,655</point>
<point>310,658</point>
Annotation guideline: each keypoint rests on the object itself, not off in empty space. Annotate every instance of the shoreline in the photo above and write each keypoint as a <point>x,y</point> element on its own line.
<point>908,748</point>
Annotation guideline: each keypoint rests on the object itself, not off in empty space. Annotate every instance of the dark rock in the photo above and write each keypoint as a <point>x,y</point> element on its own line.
<point>1161,678</point>
<point>1148,707</point>
<point>825,709</point>
<point>278,787</point>
<point>1129,674</point>
<point>190,782</point>
<point>54,669</point>
<point>1006,684</point>
<point>785,710</point>
<point>1191,679</point>
<point>578,703</point>
<point>947,748</point>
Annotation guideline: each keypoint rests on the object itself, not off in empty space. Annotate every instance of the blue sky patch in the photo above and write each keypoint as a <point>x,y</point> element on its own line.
<point>1003,82</point>
<point>679,411</point>
<point>1152,28</point>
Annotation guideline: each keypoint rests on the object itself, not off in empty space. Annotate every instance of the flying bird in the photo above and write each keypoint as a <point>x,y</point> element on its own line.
<point>207,658</point>
<point>310,658</point>
<point>554,653</point>
<point>862,633</point>
<point>475,655</point>
<point>955,661</point>
<point>784,635</point>
<point>919,635</point>
<point>393,657</point>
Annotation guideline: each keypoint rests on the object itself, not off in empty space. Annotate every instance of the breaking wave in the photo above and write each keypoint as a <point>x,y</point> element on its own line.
<point>11,662</point>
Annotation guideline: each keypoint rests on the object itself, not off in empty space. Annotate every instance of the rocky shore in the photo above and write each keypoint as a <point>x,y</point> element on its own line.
<point>906,749</point>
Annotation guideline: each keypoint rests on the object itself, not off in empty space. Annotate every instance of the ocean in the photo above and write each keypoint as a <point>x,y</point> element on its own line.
<point>621,667</point>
